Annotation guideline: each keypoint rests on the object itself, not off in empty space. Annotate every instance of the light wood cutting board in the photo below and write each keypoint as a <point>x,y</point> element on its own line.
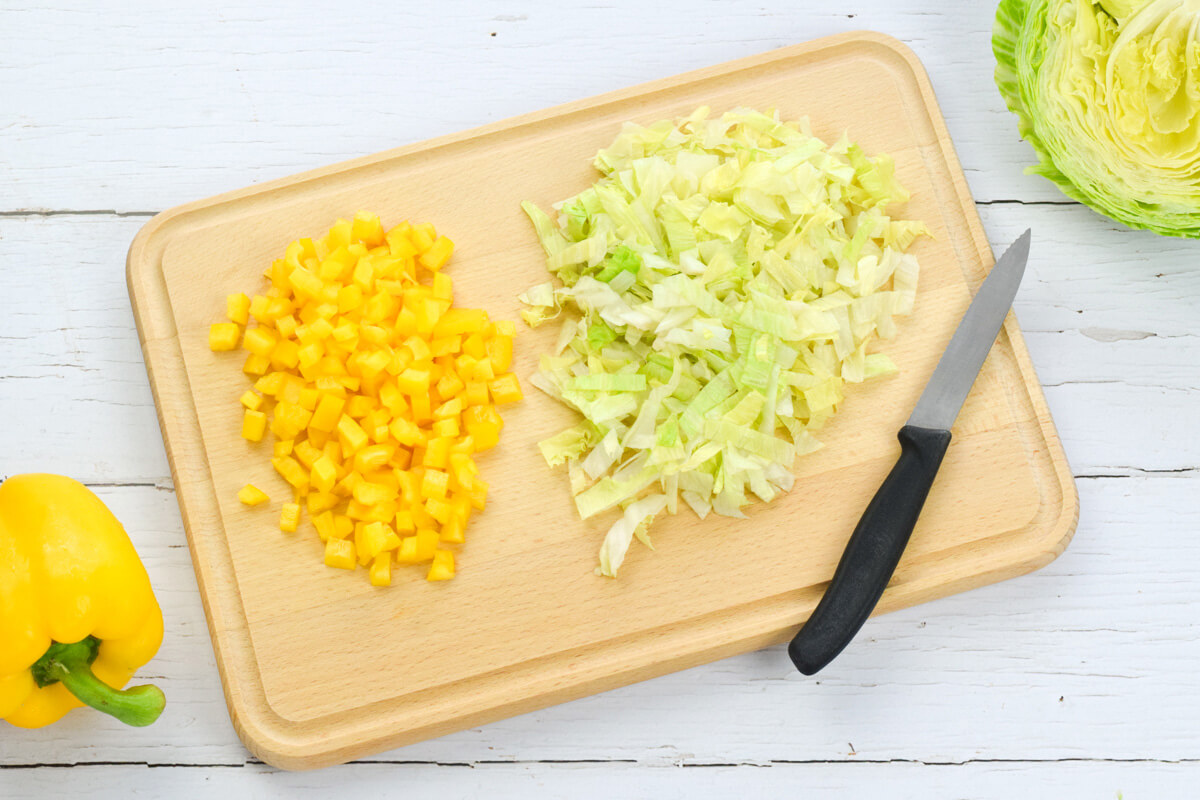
<point>319,667</point>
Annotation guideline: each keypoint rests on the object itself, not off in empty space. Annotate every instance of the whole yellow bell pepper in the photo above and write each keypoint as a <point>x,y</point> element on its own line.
<point>77,614</point>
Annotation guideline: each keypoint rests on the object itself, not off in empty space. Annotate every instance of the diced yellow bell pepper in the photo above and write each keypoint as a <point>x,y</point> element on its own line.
<point>259,341</point>
<point>223,336</point>
<point>381,570</point>
<point>289,517</point>
<point>340,553</point>
<point>251,495</point>
<point>442,568</point>
<point>256,365</point>
<point>506,389</point>
<point>426,543</point>
<point>254,425</point>
<point>237,308</point>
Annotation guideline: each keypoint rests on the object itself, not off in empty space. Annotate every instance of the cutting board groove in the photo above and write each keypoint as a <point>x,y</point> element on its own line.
<point>319,667</point>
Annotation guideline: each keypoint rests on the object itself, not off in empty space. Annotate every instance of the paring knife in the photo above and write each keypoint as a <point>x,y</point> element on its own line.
<point>882,533</point>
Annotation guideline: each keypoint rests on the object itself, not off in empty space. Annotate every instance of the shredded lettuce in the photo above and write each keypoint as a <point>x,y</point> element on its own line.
<point>720,286</point>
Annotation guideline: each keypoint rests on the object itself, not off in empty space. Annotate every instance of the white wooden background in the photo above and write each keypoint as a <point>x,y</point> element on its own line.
<point>1076,681</point>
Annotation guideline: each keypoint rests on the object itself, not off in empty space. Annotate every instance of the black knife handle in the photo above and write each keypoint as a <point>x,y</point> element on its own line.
<point>873,552</point>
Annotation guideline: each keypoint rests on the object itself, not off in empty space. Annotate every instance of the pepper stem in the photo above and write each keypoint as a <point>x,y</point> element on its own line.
<point>72,665</point>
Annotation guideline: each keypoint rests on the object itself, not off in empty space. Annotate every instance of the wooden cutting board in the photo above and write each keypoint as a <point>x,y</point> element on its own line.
<point>319,667</point>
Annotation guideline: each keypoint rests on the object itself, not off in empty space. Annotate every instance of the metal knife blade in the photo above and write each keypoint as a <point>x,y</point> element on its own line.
<point>960,364</point>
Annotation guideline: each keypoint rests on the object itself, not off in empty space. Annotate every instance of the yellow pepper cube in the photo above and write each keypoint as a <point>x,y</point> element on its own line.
<point>309,355</point>
<point>309,399</point>
<point>478,495</point>
<point>258,307</point>
<point>391,541</point>
<point>306,283</point>
<point>381,570</point>
<point>256,365</point>
<point>351,435</point>
<point>506,327</point>
<point>413,382</point>
<point>283,448</point>
<point>439,509</point>
<point>237,308</point>
<point>285,354</point>
<point>481,370</point>
<point>428,313</point>
<point>398,242</point>
<point>446,428</point>
<point>359,405</point>
<point>289,517</point>
<point>251,400</point>
<point>406,322</point>
<point>418,348</point>
<point>406,432</point>
<point>289,420</point>
<point>462,508</point>
<point>291,471</point>
<point>421,408</point>
<point>367,229</point>
<point>251,495</point>
<point>460,321</point>
<point>435,483</point>
<point>223,336</point>
<point>324,474</point>
<point>373,457</point>
<point>423,236</point>
<point>404,522</point>
<point>500,351</point>
<point>426,542</point>
<point>270,384</point>
<point>437,254</point>
<point>437,452</point>
<point>349,298</point>
<point>445,345</point>
<point>449,409</point>
<point>370,494</point>
<point>327,413</point>
<point>474,346</point>
<point>340,553</point>
<point>254,425</point>
<point>318,502</point>
<point>324,524</point>
<point>452,532</point>
<point>443,286</point>
<point>449,386</point>
<point>259,341</point>
<point>306,453</point>
<point>506,389</point>
<point>407,552</point>
<point>476,393</point>
<point>442,568</point>
<point>463,469</point>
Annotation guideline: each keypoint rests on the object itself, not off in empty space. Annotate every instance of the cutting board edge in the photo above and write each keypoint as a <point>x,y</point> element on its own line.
<point>266,735</point>
<point>261,730</point>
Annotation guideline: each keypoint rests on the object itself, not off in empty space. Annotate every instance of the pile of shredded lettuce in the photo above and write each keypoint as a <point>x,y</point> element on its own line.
<point>717,288</point>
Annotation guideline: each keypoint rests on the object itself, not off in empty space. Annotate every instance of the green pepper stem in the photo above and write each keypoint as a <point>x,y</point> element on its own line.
<point>72,665</point>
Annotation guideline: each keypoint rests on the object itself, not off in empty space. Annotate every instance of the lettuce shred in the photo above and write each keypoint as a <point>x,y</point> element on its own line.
<point>718,287</point>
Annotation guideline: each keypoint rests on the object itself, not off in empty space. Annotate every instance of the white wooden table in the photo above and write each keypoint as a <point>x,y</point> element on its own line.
<point>1076,681</point>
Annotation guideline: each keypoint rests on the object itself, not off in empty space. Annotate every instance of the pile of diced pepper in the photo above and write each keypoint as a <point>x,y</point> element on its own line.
<point>377,390</point>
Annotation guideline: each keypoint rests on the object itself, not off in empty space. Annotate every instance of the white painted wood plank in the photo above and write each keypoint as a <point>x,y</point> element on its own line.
<point>140,105</point>
<point>71,368</point>
<point>1091,657</point>
<point>895,781</point>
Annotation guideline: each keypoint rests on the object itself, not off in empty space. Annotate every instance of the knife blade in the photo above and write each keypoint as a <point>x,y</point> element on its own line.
<point>882,533</point>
